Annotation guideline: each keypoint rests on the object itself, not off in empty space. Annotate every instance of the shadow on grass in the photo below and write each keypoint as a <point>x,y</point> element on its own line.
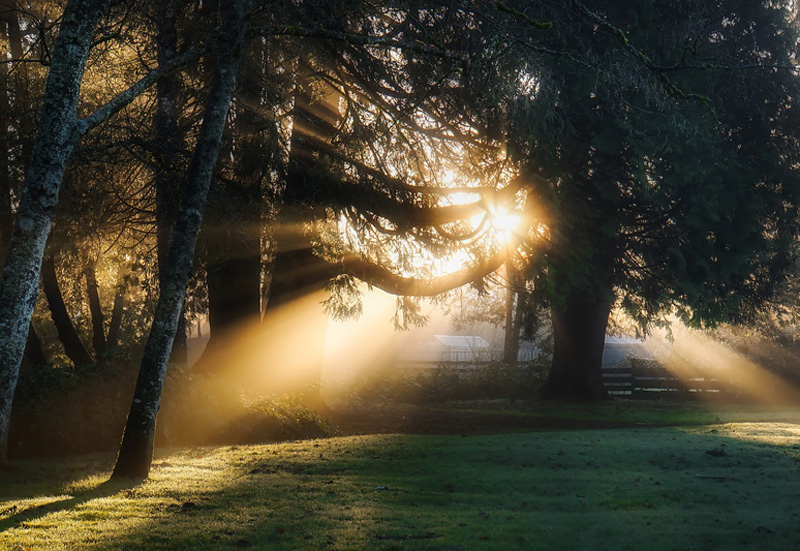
<point>651,488</point>
<point>498,416</point>
<point>654,488</point>
<point>104,489</point>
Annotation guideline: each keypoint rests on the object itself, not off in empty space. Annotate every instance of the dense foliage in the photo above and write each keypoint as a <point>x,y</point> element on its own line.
<point>647,150</point>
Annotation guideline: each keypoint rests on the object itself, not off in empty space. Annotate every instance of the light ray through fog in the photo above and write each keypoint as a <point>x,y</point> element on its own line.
<point>278,355</point>
<point>694,356</point>
<point>281,355</point>
<point>357,348</point>
<point>294,347</point>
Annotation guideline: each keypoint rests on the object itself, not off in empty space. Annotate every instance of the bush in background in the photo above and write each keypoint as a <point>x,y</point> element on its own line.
<point>448,383</point>
<point>69,411</point>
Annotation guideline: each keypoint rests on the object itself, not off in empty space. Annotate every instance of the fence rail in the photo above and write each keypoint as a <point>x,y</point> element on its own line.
<point>649,379</point>
<point>631,377</point>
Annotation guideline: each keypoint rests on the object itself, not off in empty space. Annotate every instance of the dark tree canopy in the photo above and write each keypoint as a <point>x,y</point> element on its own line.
<point>648,149</point>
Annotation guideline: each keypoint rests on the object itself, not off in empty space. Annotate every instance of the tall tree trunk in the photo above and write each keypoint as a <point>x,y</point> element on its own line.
<point>233,248</point>
<point>168,142</point>
<point>58,130</point>
<point>136,450</point>
<point>584,255</point>
<point>115,325</point>
<point>96,310</point>
<point>513,325</point>
<point>579,331</point>
<point>234,283</point>
<point>33,354</point>
<point>296,271</point>
<point>19,285</point>
<point>67,334</point>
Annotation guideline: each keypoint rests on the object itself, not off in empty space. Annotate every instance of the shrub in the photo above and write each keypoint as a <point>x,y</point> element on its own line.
<point>64,410</point>
<point>210,409</point>
<point>444,383</point>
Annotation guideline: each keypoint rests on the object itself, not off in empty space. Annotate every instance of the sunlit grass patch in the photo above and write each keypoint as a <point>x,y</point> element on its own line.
<point>777,434</point>
<point>711,487</point>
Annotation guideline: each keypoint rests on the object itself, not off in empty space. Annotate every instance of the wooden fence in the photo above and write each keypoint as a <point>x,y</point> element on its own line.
<point>631,378</point>
<point>638,378</point>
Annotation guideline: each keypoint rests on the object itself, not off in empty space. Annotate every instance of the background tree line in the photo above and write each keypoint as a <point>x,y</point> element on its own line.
<point>257,152</point>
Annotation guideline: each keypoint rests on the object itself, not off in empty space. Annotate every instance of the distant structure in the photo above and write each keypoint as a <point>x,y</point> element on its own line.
<point>459,350</point>
<point>619,349</point>
<point>448,349</point>
<point>471,350</point>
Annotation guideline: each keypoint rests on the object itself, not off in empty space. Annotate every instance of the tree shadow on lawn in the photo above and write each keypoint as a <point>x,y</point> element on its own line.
<point>37,477</point>
<point>731,486</point>
<point>498,416</point>
<point>17,516</point>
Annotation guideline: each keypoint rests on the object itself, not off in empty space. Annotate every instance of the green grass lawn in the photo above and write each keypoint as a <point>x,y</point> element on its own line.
<point>724,486</point>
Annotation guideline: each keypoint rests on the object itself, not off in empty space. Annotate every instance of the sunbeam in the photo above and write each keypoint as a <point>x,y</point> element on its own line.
<point>695,358</point>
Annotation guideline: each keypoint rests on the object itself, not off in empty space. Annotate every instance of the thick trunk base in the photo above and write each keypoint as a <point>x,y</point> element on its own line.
<point>579,330</point>
<point>135,457</point>
<point>234,293</point>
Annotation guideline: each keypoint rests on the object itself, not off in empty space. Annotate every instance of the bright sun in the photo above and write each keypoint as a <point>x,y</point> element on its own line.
<point>505,220</point>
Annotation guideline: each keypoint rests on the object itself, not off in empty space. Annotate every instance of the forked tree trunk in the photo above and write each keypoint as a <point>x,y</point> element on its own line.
<point>67,334</point>
<point>579,330</point>
<point>19,287</point>
<point>136,450</point>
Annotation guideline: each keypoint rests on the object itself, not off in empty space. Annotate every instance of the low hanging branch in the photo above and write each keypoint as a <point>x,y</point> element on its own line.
<point>387,280</point>
<point>118,102</point>
<point>367,197</point>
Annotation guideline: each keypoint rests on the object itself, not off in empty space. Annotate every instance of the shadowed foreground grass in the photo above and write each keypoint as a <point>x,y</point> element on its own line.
<point>727,486</point>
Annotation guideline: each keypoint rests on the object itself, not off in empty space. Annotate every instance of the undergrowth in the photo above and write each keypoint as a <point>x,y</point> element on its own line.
<point>63,411</point>
<point>446,383</point>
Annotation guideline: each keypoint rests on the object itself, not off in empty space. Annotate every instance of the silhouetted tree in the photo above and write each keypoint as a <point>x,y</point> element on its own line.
<point>136,450</point>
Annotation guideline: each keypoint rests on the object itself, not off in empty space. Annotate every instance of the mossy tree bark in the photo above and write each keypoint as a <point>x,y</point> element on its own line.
<point>136,450</point>
<point>58,130</point>
<point>13,86</point>
<point>55,139</point>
